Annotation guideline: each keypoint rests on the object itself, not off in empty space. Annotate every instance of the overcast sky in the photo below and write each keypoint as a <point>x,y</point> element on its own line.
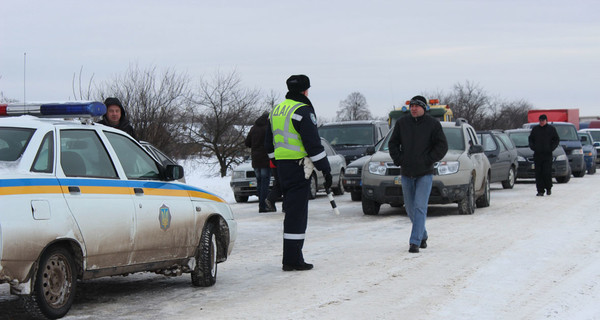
<point>545,52</point>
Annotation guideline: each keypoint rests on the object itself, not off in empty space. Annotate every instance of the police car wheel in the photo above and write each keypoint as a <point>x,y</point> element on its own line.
<point>205,271</point>
<point>55,284</point>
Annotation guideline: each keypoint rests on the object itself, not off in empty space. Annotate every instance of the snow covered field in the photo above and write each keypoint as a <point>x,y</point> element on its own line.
<point>524,257</point>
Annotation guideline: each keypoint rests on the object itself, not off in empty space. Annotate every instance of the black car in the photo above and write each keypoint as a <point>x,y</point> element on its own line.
<point>561,170</point>
<point>352,179</point>
<point>352,138</point>
<point>502,154</point>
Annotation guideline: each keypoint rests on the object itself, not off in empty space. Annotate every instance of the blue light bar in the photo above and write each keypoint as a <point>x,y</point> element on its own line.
<point>56,110</point>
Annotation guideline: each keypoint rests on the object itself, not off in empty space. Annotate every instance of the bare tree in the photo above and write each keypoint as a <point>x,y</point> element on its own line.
<point>469,101</point>
<point>5,99</point>
<point>220,116</point>
<point>354,107</point>
<point>506,115</point>
<point>155,104</point>
<point>78,92</point>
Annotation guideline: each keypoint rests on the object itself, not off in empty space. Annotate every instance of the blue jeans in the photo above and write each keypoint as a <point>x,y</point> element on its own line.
<point>416,196</point>
<point>263,178</point>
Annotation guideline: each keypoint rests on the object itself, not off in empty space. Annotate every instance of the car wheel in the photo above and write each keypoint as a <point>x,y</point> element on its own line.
<point>484,200</point>
<point>564,179</point>
<point>313,186</point>
<point>355,195</point>
<point>240,199</point>
<point>339,189</point>
<point>55,284</point>
<point>370,207</point>
<point>205,271</point>
<point>579,174</point>
<point>467,205</point>
<point>510,182</point>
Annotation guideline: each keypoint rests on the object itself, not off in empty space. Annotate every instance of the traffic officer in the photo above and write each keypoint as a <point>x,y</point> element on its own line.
<point>293,142</point>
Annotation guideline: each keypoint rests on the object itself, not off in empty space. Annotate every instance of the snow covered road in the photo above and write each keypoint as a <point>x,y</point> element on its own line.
<point>524,257</point>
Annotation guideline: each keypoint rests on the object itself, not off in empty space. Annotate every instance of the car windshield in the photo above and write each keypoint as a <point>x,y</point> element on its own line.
<point>566,132</point>
<point>13,142</point>
<point>348,135</point>
<point>454,136</point>
<point>520,139</point>
<point>595,135</point>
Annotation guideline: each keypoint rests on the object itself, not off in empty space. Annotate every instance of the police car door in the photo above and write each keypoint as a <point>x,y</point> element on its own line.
<point>164,227</point>
<point>99,201</point>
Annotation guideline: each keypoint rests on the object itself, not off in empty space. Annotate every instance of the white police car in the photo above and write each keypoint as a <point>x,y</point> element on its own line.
<point>81,201</point>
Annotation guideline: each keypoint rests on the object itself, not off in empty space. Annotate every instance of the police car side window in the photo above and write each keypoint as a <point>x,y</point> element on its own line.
<point>83,155</point>
<point>44,159</point>
<point>136,163</point>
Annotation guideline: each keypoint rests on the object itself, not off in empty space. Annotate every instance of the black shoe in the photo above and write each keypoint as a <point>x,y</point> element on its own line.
<point>413,248</point>
<point>540,194</point>
<point>270,206</point>
<point>423,244</point>
<point>301,267</point>
<point>548,192</point>
<point>263,210</point>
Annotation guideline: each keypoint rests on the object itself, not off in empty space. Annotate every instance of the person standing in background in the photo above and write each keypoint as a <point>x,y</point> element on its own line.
<point>543,139</point>
<point>260,159</point>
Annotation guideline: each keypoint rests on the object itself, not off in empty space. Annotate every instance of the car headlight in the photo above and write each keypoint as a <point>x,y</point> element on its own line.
<point>378,168</point>
<point>562,157</point>
<point>521,159</point>
<point>238,175</point>
<point>577,151</point>
<point>352,171</point>
<point>447,167</point>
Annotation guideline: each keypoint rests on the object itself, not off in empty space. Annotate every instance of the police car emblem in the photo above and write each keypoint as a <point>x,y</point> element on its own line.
<point>313,118</point>
<point>164,217</point>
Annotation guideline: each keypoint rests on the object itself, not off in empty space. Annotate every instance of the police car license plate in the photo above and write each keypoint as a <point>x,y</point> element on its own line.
<point>398,180</point>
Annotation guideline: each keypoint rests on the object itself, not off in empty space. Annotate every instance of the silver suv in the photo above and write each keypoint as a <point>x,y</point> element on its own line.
<point>462,176</point>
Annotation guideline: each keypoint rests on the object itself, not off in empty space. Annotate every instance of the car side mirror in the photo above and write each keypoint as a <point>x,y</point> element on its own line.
<point>173,172</point>
<point>370,150</point>
<point>476,148</point>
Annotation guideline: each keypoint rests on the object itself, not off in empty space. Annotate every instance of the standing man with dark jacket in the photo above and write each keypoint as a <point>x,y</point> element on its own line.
<point>260,159</point>
<point>116,117</point>
<point>294,142</point>
<point>417,142</point>
<point>543,139</point>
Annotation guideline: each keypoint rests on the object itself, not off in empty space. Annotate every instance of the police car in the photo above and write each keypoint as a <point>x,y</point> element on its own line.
<point>82,200</point>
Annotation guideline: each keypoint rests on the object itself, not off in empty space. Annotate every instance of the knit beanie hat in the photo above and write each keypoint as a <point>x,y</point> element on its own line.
<point>420,101</point>
<point>298,83</point>
<point>112,102</point>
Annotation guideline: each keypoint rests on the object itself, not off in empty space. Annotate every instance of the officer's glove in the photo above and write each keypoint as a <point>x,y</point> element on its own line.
<point>328,181</point>
<point>308,167</point>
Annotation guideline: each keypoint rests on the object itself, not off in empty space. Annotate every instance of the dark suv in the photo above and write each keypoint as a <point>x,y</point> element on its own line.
<point>502,154</point>
<point>352,138</point>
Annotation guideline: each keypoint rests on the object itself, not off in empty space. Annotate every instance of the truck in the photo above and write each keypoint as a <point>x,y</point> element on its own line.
<point>555,115</point>
<point>442,112</point>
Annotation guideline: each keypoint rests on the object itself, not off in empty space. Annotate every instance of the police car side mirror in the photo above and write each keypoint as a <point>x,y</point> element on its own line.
<point>173,172</point>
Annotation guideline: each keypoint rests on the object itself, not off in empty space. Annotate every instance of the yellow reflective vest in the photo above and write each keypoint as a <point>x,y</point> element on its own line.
<point>286,140</point>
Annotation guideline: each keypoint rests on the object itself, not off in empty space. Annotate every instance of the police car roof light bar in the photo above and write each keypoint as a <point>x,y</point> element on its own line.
<point>55,110</point>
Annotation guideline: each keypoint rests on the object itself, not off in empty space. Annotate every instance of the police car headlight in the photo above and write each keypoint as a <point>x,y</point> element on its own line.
<point>447,167</point>
<point>239,175</point>
<point>562,157</point>
<point>377,168</point>
<point>352,171</point>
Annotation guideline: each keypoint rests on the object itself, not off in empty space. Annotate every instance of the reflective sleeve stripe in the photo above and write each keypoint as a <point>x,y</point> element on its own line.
<point>294,236</point>
<point>296,117</point>
<point>318,157</point>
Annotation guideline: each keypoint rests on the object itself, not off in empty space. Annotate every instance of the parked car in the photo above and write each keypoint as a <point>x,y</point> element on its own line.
<point>82,201</point>
<point>596,141</point>
<point>243,179</point>
<point>352,179</point>
<point>589,151</point>
<point>502,154</point>
<point>462,176</point>
<point>561,170</point>
<point>352,138</point>
<point>569,141</point>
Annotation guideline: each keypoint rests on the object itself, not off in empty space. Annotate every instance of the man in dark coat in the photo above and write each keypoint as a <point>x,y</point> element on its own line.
<point>417,142</point>
<point>260,159</point>
<point>116,116</point>
<point>543,139</point>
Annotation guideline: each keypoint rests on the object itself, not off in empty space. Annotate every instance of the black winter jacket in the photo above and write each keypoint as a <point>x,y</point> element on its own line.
<point>416,144</point>
<point>256,141</point>
<point>543,140</point>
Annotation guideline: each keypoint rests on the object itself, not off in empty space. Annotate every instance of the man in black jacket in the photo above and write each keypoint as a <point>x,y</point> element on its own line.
<point>543,139</point>
<point>260,159</point>
<point>116,117</point>
<point>417,142</point>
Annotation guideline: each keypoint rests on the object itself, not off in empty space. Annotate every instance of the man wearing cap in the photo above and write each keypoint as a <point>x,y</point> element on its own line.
<point>543,139</point>
<point>116,117</point>
<point>417,142</point>
<point>293,142</point>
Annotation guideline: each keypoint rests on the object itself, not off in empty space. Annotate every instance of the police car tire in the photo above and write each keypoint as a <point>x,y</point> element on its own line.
<point>55,284</point>
<point>205,271</point>
<point>313,187</point>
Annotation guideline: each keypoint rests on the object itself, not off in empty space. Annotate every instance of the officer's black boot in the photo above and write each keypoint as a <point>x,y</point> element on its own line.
<point>292,256</point>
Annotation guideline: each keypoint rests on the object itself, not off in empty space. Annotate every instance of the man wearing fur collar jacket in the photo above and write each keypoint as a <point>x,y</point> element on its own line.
<point>291,141</point>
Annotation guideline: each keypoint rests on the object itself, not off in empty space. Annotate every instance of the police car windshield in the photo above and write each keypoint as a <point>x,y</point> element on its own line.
<point>13,142</point>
